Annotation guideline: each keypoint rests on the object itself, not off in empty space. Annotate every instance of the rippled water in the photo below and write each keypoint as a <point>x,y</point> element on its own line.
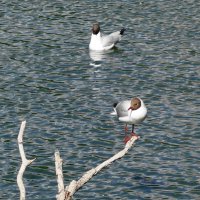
<point>65,93</point>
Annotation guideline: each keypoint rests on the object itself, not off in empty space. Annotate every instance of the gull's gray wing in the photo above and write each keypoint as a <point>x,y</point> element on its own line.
<point>122,108</point>
<point>113,38</point>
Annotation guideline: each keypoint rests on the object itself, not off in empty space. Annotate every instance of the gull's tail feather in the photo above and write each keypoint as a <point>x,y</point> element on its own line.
<point>114,108</point>
<point>115,104</point>
<point>122,31</point>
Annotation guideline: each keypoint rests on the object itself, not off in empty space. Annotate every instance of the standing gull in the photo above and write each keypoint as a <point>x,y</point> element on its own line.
<point>131,112</point>
<point>101,42</point>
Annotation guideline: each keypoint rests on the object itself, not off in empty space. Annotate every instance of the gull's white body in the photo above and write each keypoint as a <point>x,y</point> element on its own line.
<point>104,42</point>
<point>130,116</point>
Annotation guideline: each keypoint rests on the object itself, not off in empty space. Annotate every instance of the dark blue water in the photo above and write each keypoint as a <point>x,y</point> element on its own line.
<point>50,79</point>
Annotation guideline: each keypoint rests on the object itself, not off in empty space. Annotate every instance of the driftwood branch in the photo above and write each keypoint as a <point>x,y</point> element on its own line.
<point>59,173</point>
<point>24,164</point>
<point>76,185</point>
<point>68,192</point>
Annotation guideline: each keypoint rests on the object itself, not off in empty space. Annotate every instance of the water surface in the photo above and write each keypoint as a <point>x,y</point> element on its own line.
<point>65,93</point>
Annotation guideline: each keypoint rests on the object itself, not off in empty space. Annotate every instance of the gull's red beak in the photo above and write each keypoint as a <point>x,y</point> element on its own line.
<point>131,108</point>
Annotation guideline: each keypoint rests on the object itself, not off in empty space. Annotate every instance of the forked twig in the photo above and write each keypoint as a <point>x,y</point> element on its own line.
<point>24,164</point>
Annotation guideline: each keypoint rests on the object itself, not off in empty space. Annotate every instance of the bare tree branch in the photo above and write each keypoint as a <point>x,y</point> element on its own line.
<point>59,173</point>
<point>76,185</point>
<point>24,164</point>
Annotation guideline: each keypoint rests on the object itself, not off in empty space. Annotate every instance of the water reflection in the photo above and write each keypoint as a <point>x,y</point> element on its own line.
<point>97,57</point>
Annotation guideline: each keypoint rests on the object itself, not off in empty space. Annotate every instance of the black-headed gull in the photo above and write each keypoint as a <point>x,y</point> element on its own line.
<point>101,42</point>
<point>131,111</point>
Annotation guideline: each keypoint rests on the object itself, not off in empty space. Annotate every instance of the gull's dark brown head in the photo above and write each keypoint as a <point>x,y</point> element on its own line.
<point>95,28</point>
<point>135,104</point>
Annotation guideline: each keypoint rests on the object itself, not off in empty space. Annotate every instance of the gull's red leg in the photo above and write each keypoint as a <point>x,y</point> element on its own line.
<point>126,139</point>
<point>126,128</point>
